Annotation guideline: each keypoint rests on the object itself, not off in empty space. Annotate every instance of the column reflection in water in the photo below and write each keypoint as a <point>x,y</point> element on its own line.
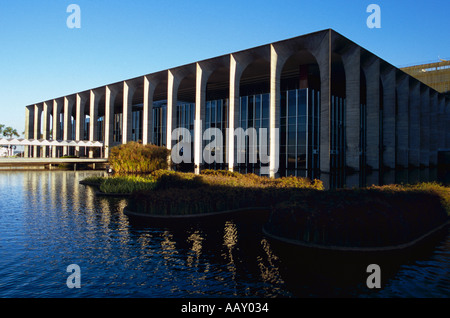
<point>194,257</point>
<point>123,224</point>
<point>230,239</point>
<point>270,272</point>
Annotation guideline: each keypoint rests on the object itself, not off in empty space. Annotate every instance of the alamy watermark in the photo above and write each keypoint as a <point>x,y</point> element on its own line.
<point>74,19</point>
<point>374,20</point>
<point>213,152</point>
<point>74,279</point>
<point>374,279</point>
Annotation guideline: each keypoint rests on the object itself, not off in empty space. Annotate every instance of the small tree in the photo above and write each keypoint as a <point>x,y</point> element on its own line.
<point>10,132</point>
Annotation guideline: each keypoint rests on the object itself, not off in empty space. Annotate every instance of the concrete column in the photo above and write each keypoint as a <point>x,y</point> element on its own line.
<point>203,73</point>
<point>94,99</point>
<point>37,128</point>
<point>47,109</point>
<point>388,80</point>
<point>425,126</point>
<point>237,67</point>
<point>57,107</point>
<point>69,102</point>
<point>110,97</point>
<point>147,112</point>
<point>277,60</point>
<point>402,120</point>
<point>127,118</point>
<point>447,123</point>
<point>373,113</point>
<point>323,58</point>
<point>433,128</point>
<point>172,93</point>
<point>441,122</point>
<point>80,119</point>
<point>352,64</point>
<point>29,128</point>
<point>414,125</point>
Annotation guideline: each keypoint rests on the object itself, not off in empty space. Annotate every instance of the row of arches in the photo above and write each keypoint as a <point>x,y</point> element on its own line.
<point>335,106</point>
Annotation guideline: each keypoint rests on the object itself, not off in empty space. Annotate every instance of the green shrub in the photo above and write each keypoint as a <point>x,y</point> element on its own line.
<point>136,158</point>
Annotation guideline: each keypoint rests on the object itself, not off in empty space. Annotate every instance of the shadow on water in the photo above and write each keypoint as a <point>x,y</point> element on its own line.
<point>310,272</point>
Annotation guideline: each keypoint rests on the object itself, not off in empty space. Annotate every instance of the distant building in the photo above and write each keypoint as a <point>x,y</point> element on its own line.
<point>334,104</point>
<point>436,75</point>
<point>4,152</point>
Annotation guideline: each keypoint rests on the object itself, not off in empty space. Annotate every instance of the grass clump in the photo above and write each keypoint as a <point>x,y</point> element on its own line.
<point>93,180</point>
<point>126,184</point>
<point>214,191</point>
<point>136,158</point>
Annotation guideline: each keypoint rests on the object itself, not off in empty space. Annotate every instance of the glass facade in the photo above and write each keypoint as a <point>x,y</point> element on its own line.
<point>216,116</point>
<point>253,113</point>
<point>159,123</point>
<point>136,123</point>
<point>117,127</point>
<point>337,133</point>
<point>299,129</point>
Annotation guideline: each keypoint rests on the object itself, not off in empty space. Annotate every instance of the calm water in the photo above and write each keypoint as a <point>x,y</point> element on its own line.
<point>49,221</point>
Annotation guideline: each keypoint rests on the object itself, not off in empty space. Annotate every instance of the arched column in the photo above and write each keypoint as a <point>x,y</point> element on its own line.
<point>129,88</point>
<point>323,57</point>
<point>94,99</point>
<point>47,109</point>
<point>447,123</point>
<point>441,122</point>
<point>81,99</point>
<point>203,71</point>
<point>278,56</point>
<point>402,148</point>
<point>69,101</point>
<point>433,127</point>
<point>175,77</point>
<point>37,127</point>
<point>372,70</point>
<point>56,135</point>
<point>238,63</point>
<point>414,124</point>
<point>174,80</point>
<point>351,59</point>
<point>147,112</point>
<point>389,120</point>
<point>425,126</point>
<point>110,96</point>
<point>29,128</point>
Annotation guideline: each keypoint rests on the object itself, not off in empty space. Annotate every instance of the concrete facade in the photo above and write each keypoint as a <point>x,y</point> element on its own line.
<point>405,122</point>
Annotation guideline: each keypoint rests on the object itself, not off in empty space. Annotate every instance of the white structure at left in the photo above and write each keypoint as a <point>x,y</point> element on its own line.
<point>46,146</point>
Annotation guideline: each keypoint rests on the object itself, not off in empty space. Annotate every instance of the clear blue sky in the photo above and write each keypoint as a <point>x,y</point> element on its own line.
<point>41,58</point>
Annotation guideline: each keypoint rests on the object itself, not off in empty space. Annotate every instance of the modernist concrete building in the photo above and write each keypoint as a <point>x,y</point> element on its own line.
<point>334,105</point>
